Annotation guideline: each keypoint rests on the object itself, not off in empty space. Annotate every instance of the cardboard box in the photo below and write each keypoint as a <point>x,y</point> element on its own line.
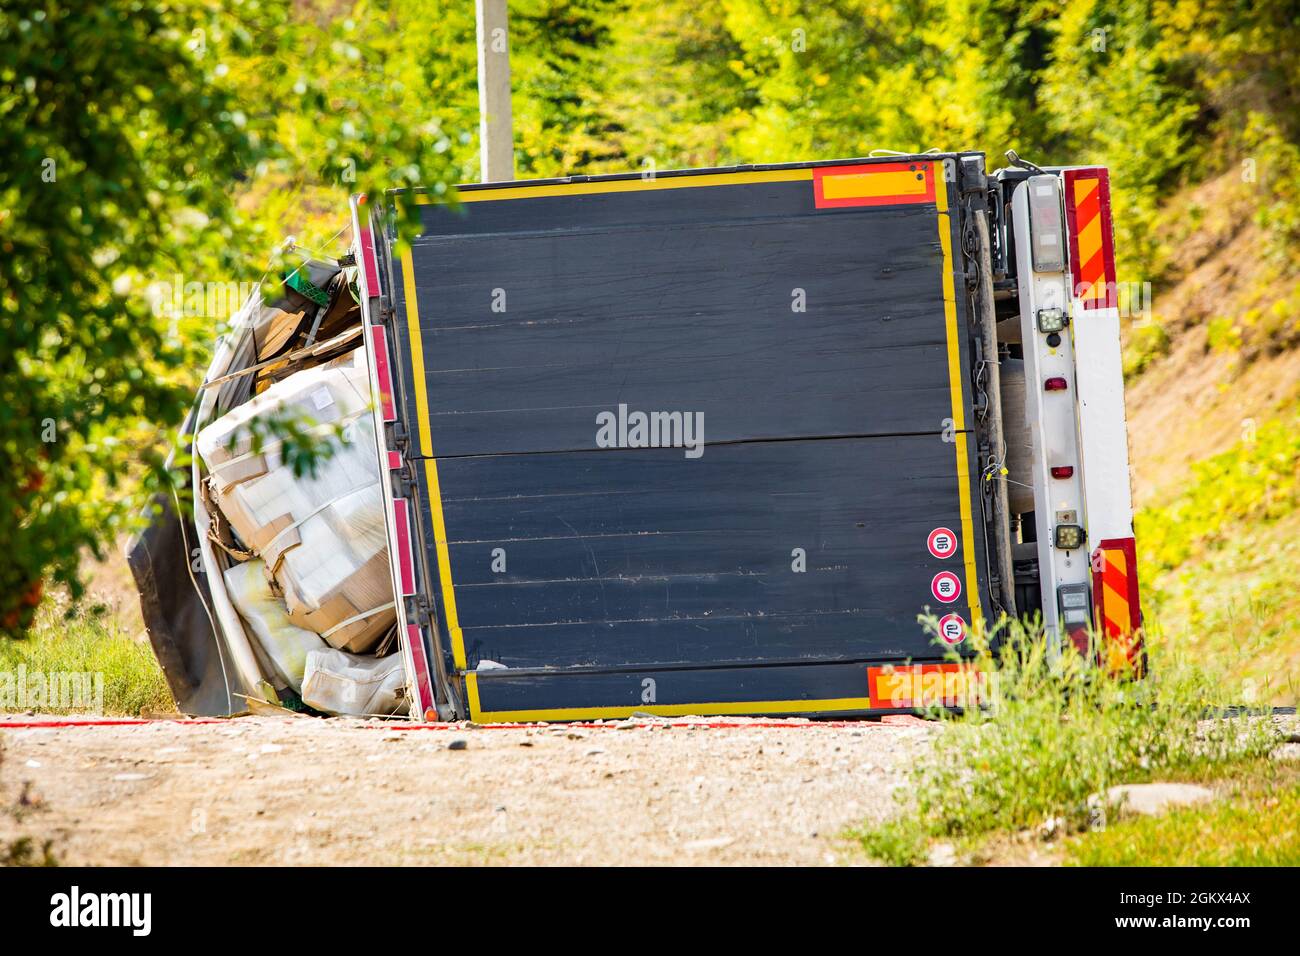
<point>322,537</point>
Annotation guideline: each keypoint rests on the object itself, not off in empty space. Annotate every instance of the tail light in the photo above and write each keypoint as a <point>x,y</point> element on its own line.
<point>1046,232</point>
<point>1072,601</point>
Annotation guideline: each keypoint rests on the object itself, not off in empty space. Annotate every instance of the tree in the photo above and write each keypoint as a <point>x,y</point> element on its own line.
<point>130,128</point>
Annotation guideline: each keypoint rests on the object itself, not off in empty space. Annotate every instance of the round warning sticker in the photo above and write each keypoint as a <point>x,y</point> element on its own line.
<point>945,587</point>
<point>942,543</point>
<point>952,628</point>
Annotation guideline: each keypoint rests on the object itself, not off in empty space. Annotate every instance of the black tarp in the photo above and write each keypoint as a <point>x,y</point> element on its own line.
<point>173,600</point>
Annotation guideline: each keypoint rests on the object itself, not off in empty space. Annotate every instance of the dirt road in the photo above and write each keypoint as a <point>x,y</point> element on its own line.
<point>302,791</point>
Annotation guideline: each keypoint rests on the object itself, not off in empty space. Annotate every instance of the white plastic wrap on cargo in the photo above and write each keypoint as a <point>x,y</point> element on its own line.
<point>321,536</point>
<point>286,644</point>
<point>340,683</point>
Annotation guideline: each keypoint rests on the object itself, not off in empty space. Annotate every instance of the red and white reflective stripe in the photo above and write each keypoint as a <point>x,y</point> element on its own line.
<point>383,373</point>
<point>1092,243</point>
<point>394,460</point>
<point>1117,606</point>
<point>1114,591</point>
<point>370,265</point>
<point>405,562</point>
<point>423,685</point>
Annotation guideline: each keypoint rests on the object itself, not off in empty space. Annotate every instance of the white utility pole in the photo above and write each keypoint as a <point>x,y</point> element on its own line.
<point>495,130</point>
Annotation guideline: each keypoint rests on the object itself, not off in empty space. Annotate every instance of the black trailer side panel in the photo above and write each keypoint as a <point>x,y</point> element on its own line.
<point>819,349</point>
<point>641,558</point>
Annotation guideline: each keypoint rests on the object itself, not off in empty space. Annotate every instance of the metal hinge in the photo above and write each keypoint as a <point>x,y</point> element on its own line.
<point>423,612</point>
<point>395,436</point>
<point>415,614</point>
<point>403,481</point>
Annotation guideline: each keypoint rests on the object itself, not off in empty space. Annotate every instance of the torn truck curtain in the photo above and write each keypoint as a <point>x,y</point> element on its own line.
<point>285,567</point>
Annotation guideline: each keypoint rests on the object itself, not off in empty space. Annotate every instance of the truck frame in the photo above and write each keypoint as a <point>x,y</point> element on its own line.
<point>710,441</point>
<point>875,297</point>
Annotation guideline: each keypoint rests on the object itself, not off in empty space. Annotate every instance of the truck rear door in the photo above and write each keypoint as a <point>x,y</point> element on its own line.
<point>697,443</point>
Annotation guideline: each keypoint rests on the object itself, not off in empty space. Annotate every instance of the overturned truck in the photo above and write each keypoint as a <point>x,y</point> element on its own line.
<point>702,443</point>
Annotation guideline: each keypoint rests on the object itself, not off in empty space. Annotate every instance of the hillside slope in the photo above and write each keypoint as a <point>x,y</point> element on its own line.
<point>1214,431</point>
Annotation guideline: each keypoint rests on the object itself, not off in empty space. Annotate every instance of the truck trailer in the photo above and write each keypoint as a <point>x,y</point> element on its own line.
<point>711,441</point>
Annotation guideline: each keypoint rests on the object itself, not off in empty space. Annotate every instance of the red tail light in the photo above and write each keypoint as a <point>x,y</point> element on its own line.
<point>1056,384</point>
<point>1062,471</point>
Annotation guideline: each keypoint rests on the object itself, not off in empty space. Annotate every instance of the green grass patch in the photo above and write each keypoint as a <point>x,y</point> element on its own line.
<point>83,654</point>
<point>1218,559</point>
<point>1146,344</point>
<point>1235,610</point>
<point>1255,481</point>
<point>25,852</point>
<point>1257,824</point>
<point>1052,732</point>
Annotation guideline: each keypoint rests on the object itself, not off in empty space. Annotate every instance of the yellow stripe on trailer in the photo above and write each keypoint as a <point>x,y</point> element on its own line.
<point>971,583</point>
<point>701,708</point>
<point>444,564</point>
<point>644,184</point>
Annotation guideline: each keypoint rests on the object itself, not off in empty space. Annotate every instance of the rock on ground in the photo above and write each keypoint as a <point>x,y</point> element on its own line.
<point>1152,799</point>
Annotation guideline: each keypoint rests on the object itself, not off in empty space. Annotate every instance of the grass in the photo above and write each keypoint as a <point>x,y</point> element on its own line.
<point>1256,482</point>
<point>1238,609</point>
<point>1051,734</point>
<point>1147,343</point>
<point>1217,559</point>
<point>132,681</point>
<point>25,852</point>
<point>1258,824</point>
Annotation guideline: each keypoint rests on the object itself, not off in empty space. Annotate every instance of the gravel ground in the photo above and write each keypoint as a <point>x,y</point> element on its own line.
<point>302,791</point>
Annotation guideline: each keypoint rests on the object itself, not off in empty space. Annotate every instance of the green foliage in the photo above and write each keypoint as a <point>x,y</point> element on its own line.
<point>90,99</point>
<point>1149,342</point>
<point>146,139</point>
<point>129,130</point>
<point>1276,161</point>
<point>674,99</point>
<point>1051,734</point>
<point>1218,558</point>
<point>1116,102</point>
<point>1222,334</point>
<point>902,842</point>
<point>1257,480</point>
<point>25,852</point>
<point>559,103</point>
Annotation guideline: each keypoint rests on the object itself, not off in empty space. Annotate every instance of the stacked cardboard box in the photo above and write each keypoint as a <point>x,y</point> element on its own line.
<point>321,536</point>
<point>339,683</point>
<point>283,642</point>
